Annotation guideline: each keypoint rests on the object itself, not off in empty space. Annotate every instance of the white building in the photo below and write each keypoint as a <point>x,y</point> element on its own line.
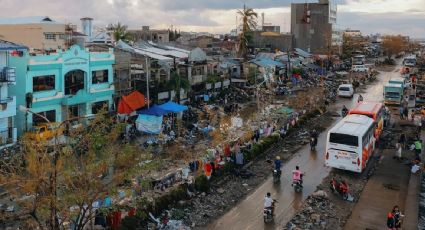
<point>8,132</point>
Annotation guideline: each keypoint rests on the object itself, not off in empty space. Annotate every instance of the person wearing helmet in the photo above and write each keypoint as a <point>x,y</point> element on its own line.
<point>278,165</point>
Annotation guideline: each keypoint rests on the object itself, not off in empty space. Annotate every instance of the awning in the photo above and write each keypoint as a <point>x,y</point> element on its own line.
<point>131,103</point>
<point>154,110</point>
<point>173,107</point>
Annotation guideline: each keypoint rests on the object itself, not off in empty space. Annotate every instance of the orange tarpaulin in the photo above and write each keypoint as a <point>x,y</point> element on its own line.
<point>131,102</point>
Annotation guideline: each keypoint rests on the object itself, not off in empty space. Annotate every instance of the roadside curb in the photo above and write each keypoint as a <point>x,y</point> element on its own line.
<point>412,201</point>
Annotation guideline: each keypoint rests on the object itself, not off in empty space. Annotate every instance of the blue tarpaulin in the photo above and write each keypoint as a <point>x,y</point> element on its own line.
<point>151,124</point>
<point>153,110</point>
<point>172,107</point>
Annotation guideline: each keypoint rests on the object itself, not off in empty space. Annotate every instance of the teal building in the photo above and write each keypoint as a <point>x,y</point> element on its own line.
<point>61,86</point>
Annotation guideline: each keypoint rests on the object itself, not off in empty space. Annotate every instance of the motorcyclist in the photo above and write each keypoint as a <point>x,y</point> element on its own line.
<point>360,98</point>
<point>278,165</point>
<point>269,202</point>
<point>344,111</point>
<point>297,176</point>
<point>314,134</point>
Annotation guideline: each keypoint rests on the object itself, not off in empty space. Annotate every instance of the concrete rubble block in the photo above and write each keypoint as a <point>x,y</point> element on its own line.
<point>320,194</point>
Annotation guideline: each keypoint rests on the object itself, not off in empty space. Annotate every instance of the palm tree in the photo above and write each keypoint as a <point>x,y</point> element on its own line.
<point>176,83</point>
<point>119,31</point>
<point>249,23</point>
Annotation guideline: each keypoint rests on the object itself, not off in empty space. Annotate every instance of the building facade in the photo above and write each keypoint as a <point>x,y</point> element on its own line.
<point>73,84</point>
<point>38,33</point>
<point>146,34</point>
<point>312,25</point>
<point>8,132</point>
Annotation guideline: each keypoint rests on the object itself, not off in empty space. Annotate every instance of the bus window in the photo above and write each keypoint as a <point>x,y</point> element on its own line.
<point>343,139</point>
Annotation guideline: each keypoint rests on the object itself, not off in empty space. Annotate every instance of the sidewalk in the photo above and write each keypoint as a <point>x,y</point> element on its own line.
<point>386,188</point>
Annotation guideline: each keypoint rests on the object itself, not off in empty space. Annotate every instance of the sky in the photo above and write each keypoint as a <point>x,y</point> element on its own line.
<point>405,17</point>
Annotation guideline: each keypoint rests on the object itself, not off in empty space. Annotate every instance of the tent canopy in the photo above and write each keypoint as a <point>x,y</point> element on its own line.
<point>173,107</point>
<point>154,110</point>
<point>131,103</point>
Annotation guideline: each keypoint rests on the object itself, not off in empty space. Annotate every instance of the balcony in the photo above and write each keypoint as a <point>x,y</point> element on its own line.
<point>7,137</point>
<point>7,75</point>
<point>7,107</point>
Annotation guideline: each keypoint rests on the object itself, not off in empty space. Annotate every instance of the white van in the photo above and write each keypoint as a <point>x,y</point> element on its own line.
<point>350,143</point>
<point>346,90</point>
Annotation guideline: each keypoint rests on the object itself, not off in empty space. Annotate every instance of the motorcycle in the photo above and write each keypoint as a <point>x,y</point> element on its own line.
<point>313,143</point>
<point>339,187</point>
<point>268,213</point>
<point>276,176</point>
<point>344,112</point>
<point>297,184</point>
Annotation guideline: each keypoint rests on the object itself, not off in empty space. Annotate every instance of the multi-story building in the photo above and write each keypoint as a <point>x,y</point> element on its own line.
<point>312,25</point>
<point>38,33</point>
<point>8,132</point>
<point>65,85</point>
<point>146,34</point>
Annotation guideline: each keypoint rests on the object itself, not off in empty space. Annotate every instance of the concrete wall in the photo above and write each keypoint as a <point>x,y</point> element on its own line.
<point>281,42</point>
<point>316,35</point>
<point>32,35</point>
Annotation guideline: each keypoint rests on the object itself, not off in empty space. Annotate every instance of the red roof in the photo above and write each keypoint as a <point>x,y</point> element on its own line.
<point>131,103</point>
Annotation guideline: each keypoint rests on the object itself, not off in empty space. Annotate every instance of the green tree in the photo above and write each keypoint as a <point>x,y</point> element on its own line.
<point>119,32</point>
<point>62,181</point>
<point>249,23</point>
<point>176,83</point>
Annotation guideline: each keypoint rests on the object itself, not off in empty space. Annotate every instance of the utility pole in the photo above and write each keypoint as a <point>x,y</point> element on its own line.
<point>147,78</point>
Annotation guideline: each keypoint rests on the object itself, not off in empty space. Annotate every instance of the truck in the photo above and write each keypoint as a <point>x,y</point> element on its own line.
<point>45,131</point>
<point>398,80</point>
<point>420,94</point>
<point>393,94</point>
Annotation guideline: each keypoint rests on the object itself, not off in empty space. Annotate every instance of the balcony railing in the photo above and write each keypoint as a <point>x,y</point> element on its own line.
<point>6,100</point>
<point>8,74</point>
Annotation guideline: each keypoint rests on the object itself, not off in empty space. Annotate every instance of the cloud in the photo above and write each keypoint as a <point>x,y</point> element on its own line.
<point>219,16</point>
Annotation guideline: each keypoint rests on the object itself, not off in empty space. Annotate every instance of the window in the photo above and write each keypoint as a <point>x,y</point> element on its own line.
<point>368,135</point>
<point>73,111</point>
<point>50,36</point>
<point>344,89</point>
<point>62,36</point>
<point>98,106</point>
<point>50,115</point>
<point>343,139</point>
<point>100,76</point>
<point>392,94</point>
<point>43,83</point>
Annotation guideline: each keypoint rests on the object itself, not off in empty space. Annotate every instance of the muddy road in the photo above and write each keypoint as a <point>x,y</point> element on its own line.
<point>248,213</point>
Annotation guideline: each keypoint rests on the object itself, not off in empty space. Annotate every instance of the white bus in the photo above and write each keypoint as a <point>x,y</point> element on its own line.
<point>350,143</point>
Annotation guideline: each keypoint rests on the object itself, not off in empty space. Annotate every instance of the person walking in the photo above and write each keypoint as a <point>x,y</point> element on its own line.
<point>398,216</point>
<point>399,150</point>
<point>401,109</point>
<point>418,148</point>
<point>390,221</point>
<point>402,140</point>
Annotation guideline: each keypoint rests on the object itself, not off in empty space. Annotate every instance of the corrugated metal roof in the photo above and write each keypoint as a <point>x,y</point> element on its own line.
<point>265,62</point>
<point>302,53</point>
<point>28,20</point>
<point>5,45</point>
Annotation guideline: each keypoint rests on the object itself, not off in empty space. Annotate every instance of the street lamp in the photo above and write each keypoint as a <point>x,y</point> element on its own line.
<point>26,111</point>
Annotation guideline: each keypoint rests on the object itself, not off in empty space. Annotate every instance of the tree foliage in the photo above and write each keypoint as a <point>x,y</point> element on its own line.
<point>176,83</point>
<point>119,32</point>
<point>249,23</point>
<point>60,182</point>
<point>393,45</point>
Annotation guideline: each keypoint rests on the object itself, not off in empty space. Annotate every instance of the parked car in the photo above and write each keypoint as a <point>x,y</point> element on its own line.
<point>359,68</point>
<point>346,90</point>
